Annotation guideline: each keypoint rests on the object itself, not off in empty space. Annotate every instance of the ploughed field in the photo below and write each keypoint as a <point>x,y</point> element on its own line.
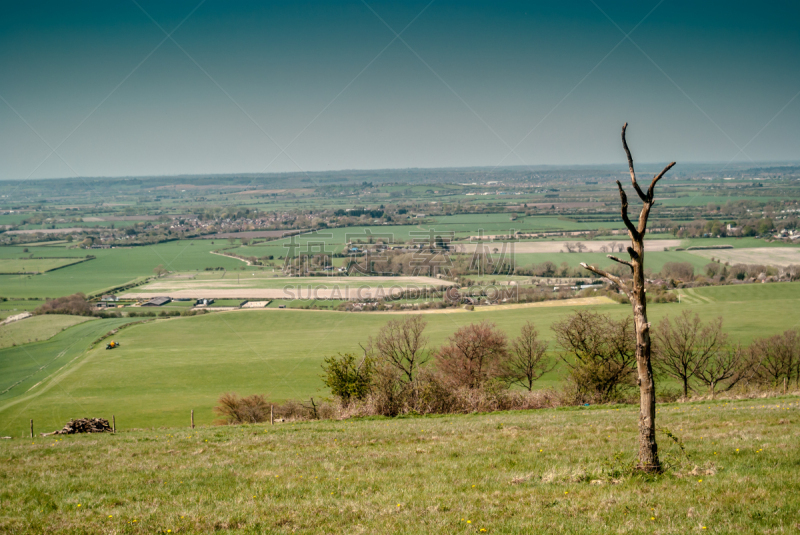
<point>265,285</point>
<point>544,471</point>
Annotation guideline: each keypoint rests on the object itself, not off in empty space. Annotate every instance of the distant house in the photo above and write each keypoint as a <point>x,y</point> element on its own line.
<point>203,302</point>
<point>109,298</point>
<point>157,302</point>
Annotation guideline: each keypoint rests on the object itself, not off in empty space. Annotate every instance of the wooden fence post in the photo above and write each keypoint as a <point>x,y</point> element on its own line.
<point>114,423</point>
<point>192,418</point>
<point>31,428</point>
<point>272,415</point>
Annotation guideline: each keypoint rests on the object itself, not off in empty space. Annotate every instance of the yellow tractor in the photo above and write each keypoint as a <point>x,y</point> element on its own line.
<point>112,345</point>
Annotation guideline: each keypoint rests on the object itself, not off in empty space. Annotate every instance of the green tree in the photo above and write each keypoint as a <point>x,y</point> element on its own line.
<point>348,377</point>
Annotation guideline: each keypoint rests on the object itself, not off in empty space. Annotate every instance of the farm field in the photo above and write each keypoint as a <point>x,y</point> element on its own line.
<point>110,268</point>
<point>166,368</point>
<point>264,285</point>
<point>655,260</point>
<point>36,329</point>
<point>546,470</point>
<point>774,256</point>
<point>593,246</point>
<point>10,266</point>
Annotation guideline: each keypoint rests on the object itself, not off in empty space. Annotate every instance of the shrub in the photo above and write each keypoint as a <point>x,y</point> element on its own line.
<point>74,304</point>
<point>347,377</point>
<point>473,356</point>
<point>600,353</point>
<point>242,410</point>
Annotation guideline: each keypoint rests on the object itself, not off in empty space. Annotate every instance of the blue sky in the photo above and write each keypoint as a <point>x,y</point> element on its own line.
<point>287,86</point>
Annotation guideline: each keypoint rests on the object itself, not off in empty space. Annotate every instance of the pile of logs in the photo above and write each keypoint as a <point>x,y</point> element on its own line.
<point>83,425</point>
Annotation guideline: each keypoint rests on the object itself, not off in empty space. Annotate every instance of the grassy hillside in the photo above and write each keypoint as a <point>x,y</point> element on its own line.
<point>554,471</point>
<point>36,328</point>
<point>166,368</point>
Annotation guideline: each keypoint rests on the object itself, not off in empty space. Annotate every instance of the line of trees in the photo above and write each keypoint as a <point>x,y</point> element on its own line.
<point>397,372</point>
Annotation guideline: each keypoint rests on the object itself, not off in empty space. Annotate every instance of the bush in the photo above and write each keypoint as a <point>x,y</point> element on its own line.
<point>242,410</point>
<point>347,377</point>
<point>600,353</point>
<point>74,304</point>
<point>473,356</point>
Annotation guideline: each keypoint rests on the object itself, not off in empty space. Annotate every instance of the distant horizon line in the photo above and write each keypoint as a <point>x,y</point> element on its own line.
<point>737,164</point>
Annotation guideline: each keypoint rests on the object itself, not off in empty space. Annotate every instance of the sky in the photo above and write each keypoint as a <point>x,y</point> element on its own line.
<point>146,87</point>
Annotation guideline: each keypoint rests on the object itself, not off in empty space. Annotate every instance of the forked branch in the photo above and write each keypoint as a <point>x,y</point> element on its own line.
<point>656,179</point>
<point>630,166</point>
<point>618,282</point>
<point>615,259</point>
<point>624,210</point>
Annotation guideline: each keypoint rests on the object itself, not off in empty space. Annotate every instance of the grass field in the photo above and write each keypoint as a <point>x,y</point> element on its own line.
<point>166,368</point>
<point>10,266</point>
<point>545,471</point>
<point>36,329</point>
<point>112,267</point>
<point>25,366</point>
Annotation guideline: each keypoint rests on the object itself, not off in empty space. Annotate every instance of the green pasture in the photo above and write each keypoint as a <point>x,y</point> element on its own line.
<point>10,266</point>
<point>24,366</point>
<point>167,368</point>
<point>36,329</point>
<point>702,199</point>
<point>110,268</point>
<point>541,471</point>
<point>12,308</point>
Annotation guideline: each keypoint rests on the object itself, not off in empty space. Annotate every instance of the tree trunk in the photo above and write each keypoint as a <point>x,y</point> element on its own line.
<point>685,388</point>
<point>648,449</point>
<point>634,289</point>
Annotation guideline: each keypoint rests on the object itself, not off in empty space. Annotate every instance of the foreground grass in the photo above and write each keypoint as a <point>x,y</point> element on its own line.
<point>561,471</point>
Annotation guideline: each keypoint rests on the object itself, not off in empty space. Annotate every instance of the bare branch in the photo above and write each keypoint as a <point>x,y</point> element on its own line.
<point>613,278</point>
<point>624,210</point>
<point>615,259</point>
<point>630,165</point>
<point>656,179</point>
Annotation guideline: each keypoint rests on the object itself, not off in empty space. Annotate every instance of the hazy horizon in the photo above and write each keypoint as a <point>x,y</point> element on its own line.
<point>283,87</point>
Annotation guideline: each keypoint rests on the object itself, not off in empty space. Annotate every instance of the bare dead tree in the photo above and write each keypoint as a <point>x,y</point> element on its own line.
<point>634,289</point>
<point>527,359</point>
<point>683,344</point>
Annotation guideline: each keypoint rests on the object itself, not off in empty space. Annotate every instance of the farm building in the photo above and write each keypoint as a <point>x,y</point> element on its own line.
<point>109,298</point>
<point>157,302</point>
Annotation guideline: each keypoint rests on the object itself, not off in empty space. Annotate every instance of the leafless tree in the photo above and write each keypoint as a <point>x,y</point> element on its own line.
<point>473,355</point>
<point>401,344</point>
<point>599,351</point>
<point>684,344</point>
<point>527,360</point>
<point>634,289</point>
<point>776,357</point>
<point>727,365</point>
